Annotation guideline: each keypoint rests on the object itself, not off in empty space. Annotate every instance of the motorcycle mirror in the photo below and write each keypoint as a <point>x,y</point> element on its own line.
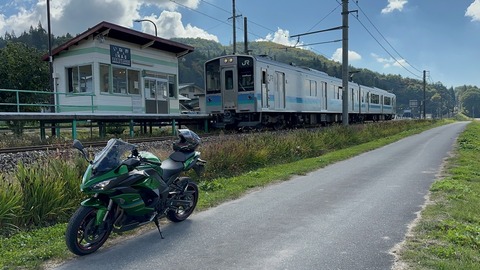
<point>79,146</point>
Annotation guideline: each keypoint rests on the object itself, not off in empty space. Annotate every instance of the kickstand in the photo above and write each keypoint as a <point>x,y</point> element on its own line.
<point>158,226</point>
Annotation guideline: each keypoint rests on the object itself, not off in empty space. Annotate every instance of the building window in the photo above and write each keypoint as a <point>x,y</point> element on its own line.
<point>133,82</point>
<point>118,80</point>
<point>104,78</point>
<point>172,86</point>
<point>80,79</point>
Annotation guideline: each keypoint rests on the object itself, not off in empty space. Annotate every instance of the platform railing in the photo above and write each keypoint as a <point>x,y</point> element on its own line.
<point>20,105</point>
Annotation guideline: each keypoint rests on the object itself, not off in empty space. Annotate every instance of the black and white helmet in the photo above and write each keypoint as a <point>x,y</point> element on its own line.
<point>187,141</point>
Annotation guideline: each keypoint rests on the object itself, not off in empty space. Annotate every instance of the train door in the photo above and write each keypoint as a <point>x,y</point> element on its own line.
<point>382,102</point>
<point>324,96</point>
<point>264,89</point>
<point>229,91</point>
<point>360,99</point>
<point>280,91</point>
<point>353,99</point>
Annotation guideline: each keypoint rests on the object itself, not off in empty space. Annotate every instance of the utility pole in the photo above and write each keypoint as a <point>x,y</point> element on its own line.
<point>424,95</point>
<point>245,34</point>
<point>234,18</point>
<point>50,67</point>
<point>345,62</point>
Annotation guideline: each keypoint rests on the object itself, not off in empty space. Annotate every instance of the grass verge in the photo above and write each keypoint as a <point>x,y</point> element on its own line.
<point>447,236</point>
<point>30,250</point>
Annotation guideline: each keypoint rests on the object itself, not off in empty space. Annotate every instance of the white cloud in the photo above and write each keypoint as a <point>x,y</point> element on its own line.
<point>171,5</point>
<point>389,62</point>
<point>394,5</point>
<point>74,16</point>
<point>281,37</point>
<point>352,56</point>
<point>473,11</point>
<point>169,24</point>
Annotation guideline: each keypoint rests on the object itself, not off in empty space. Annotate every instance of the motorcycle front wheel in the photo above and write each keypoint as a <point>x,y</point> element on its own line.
<point>82,235</point>
<point>189,199</point>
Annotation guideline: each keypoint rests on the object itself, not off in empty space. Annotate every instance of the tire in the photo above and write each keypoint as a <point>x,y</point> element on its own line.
<point>191,194</point>
<point>82,236</point>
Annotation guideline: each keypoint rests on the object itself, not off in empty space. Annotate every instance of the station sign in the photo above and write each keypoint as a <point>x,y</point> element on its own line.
<point>120,56</point>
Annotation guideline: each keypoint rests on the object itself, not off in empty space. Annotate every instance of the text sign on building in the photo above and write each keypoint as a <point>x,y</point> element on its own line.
<point>120,56</point>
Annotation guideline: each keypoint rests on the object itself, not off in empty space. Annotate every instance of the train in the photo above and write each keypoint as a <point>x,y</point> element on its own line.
<point>248,91</point>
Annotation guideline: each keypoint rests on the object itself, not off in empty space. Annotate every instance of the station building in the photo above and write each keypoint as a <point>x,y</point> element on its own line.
<point>111,69</point>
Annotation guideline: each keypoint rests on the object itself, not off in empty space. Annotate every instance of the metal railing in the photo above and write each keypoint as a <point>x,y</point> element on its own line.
<point>38,106</point>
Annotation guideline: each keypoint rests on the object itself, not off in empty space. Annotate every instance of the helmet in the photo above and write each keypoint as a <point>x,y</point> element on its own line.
<point>187,142</point>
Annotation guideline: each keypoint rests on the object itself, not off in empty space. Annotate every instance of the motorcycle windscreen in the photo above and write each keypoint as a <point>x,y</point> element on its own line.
<point>111,156</point>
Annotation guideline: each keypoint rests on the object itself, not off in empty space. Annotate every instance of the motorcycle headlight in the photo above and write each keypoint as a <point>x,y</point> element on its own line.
<point>101,185</point>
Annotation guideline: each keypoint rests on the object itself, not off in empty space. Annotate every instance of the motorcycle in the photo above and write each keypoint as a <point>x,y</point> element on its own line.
<point>131,188</point>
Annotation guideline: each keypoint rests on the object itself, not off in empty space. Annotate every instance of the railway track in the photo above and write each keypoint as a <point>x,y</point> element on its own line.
<point>102,143</point>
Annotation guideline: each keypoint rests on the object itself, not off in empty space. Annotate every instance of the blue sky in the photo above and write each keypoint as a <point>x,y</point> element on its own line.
<point>388,36</point>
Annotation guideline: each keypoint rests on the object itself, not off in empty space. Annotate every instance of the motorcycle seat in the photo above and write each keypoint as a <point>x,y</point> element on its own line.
<point>181,156</point>
<point>170,168</point>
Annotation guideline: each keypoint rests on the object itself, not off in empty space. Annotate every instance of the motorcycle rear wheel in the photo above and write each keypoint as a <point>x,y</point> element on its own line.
<point>82,236</point>
<point>191,194</point>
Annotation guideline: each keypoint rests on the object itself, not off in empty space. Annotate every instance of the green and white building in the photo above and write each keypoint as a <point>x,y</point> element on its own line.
<point>112,69</point>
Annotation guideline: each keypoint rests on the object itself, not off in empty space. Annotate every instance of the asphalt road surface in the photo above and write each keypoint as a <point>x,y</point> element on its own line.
<point>345,216</point>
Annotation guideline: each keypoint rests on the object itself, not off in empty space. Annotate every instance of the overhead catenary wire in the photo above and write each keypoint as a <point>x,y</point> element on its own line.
<point>385,49</point>
<point>386,40</point>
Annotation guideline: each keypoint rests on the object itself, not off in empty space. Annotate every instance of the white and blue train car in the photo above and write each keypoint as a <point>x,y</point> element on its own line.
<point>253,91</point>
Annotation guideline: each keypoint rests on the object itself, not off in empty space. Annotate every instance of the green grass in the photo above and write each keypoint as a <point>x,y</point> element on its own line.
<point>448,234</point>
<point>250,165</point>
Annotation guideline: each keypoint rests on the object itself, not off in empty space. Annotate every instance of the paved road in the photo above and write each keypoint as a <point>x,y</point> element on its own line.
<point>345,216</point>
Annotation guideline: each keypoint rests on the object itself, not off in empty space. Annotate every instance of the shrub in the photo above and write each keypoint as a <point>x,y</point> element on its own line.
<point>10,205</point>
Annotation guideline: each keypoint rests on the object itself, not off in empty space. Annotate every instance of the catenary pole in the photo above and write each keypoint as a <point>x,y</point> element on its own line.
<point>345,62</point>
<point>424,95</point>
<point>234,28</point>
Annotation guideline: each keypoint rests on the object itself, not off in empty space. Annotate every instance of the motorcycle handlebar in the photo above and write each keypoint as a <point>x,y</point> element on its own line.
<point>150,162</point>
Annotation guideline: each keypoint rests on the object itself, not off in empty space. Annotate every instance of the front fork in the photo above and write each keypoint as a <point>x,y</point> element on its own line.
<point>103,210</point>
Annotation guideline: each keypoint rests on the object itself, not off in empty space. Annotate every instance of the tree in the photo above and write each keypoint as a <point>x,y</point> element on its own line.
<point>21,68</point>
<point>470,100</point>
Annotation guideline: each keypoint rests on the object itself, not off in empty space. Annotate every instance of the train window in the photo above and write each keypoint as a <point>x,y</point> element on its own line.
<point>229,80</point>
<point>245,81</point>
<point>212,80</point>
<point>375,99</point>
<point>387,101</point>
<point>313,88</point>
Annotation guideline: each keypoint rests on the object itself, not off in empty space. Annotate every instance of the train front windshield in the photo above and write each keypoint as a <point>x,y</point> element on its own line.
<point>237,72</point>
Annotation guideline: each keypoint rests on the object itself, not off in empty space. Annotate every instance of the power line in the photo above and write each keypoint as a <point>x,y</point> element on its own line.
<point>326,16</point>
<point>378,31</point>
<point>385,49</point>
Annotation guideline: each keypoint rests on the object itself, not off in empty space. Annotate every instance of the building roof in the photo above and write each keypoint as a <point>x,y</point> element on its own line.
<point>118,32</point>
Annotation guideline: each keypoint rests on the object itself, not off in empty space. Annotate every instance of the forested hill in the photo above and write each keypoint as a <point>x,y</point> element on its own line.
<point>20,61</point>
